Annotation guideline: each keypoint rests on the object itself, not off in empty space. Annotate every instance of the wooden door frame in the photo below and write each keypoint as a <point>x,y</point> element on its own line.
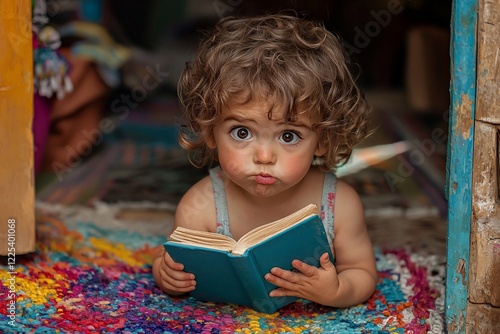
<point>459,160</point>
<point>473,249</point>
<point>17,196</point>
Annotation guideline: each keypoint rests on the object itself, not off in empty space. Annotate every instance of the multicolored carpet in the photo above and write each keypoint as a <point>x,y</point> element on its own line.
<point>88,279</point>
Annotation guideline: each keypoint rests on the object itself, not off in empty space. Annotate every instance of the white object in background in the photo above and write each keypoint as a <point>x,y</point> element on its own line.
<point>362,158</point>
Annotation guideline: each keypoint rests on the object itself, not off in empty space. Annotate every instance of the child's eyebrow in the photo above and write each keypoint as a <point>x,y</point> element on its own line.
<point>297,124</point>
<point>238,119</point>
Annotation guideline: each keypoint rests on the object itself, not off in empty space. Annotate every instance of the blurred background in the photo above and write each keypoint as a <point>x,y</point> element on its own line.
<point>393,44</point>
<point>108,132</point>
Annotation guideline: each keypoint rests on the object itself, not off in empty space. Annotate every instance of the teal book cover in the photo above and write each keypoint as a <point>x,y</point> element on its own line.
<point>237,276</point>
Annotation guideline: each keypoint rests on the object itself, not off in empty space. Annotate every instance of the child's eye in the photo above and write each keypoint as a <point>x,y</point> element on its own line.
<point>289,137</point>
<point>241,133</point>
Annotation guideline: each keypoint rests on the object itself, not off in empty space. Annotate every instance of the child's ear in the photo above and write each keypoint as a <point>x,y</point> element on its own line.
<point>210,141</point>
<point>320,150</point>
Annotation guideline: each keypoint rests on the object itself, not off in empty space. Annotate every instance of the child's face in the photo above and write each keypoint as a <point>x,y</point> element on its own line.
<point>263,156</point>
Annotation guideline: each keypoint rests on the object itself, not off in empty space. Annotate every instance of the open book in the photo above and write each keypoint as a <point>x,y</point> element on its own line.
<point>232,271</point>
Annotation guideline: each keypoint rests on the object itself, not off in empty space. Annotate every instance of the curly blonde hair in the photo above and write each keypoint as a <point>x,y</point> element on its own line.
<point>292,60</point>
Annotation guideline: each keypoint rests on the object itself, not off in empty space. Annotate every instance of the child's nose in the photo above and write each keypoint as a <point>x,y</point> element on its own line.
<point>264,154</point>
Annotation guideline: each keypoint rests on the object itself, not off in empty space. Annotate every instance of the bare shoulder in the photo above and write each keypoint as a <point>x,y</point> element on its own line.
<point>346,192</point>
<point>196,209</point>
<point>348,205</point>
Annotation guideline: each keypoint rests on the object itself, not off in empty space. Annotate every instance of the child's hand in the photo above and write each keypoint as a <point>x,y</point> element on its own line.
<point>170,277</point>
<point>315,284</point>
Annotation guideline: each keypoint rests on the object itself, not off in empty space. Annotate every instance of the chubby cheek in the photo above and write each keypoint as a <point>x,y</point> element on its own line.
<point>232,161</point>
<point>293,170</point>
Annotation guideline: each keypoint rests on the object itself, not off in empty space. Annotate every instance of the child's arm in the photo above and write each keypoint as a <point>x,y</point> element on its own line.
<point>194,212</point>
<point>353,278</point>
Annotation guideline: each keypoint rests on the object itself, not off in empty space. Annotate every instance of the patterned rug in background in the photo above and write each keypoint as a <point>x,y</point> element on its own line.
<point>87,279</point>
<point>125,172</point>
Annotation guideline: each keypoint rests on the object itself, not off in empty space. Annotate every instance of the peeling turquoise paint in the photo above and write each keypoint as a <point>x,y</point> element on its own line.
<point>459,160</point>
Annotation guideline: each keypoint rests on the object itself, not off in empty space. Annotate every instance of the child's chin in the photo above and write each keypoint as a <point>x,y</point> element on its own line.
<point>262,190</point>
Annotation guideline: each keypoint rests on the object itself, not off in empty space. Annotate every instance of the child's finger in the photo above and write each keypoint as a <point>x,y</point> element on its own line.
<point>171,263</point>
<point>177,280</point>
<point>179,286</point>
<point>325,262</point>
<point>179,275</point>
<point>304,268</point>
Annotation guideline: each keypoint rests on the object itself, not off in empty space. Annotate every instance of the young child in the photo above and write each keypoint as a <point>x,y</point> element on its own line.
<point>271,100</point>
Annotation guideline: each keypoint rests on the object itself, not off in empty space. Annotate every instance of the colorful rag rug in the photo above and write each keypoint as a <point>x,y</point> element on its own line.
<point>87,279</point>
